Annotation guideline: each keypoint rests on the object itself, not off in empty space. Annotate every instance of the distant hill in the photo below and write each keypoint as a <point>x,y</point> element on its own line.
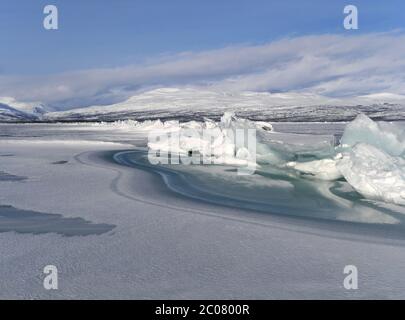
<point>195,104</point>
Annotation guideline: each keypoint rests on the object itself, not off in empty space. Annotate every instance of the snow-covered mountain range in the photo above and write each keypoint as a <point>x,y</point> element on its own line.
<point>192,103</point>
<point>12,110</point>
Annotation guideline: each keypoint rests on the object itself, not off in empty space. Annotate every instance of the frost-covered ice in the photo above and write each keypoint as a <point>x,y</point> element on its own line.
<point>388,137</point>
<point>370,157</point>
<point>374,173</point>
<point>314,156</point>
<point>214,142</point>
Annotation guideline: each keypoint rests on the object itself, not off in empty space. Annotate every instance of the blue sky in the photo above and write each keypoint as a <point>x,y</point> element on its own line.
<point>100,33</point>
<point>106,51</point>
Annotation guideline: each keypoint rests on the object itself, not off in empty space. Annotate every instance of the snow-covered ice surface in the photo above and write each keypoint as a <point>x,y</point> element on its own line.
<point>200,231</point>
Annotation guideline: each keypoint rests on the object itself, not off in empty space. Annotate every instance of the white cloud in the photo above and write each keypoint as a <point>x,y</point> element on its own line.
<point>334,65</point>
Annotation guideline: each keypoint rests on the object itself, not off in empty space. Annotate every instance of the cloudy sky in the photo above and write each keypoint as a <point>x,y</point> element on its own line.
<point>105,51</point>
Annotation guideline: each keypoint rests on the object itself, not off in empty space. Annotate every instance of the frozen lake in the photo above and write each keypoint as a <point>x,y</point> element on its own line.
<point>181,232</point>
